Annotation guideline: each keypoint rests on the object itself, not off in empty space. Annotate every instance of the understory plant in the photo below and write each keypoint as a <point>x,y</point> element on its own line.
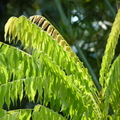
<point>39,66</point>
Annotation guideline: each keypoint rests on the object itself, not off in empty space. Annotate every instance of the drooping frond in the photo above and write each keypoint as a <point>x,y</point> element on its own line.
<point>110,51</point>
<point>32,36</point>
<point>38,113</point>
<point>55,60</point>
<point>40,73</point>
<point>112,93</point>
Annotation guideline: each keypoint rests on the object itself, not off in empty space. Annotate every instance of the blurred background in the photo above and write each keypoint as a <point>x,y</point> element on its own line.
<point>85,24</point>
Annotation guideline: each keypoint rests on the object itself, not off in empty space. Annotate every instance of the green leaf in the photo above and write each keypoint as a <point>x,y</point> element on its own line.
<point>43,113</point>
<point>2,113</point>
<point>112,96</point>
<point>110,51</point>
<point>51,69</point>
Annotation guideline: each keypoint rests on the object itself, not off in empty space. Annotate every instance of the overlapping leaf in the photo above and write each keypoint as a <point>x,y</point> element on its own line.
<point>38,113</point>
<point>112,95</point>
<point>33,37</point>
<point>15,64</point>
<point>53,82</point>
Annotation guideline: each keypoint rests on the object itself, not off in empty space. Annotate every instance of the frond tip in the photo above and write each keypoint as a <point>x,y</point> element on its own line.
<point>110,51</point>
<point>51,30</point>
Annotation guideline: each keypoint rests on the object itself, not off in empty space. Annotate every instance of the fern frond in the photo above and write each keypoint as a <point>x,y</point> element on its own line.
<point>32,85</point>
<point>76,65</point>
<point>32,36</point>
<point>38,113</point>
<point>55,60</point>
<point>110,51</point>
<point>52,83</point>
<point>112,93</point>
<point>43,113</point>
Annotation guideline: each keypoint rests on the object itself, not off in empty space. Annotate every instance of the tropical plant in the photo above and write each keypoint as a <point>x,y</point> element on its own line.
<point>39,65</point>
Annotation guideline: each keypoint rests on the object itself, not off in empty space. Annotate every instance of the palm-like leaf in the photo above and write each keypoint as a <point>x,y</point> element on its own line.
<point>47,67</point>
<point>112,95</point>
<point>110,51</point>
<point>109,73</point>
<point>53,70</point>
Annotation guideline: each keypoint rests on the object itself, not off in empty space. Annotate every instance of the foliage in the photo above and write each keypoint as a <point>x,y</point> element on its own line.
<point>47,72</point>
<point>85,25</point>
